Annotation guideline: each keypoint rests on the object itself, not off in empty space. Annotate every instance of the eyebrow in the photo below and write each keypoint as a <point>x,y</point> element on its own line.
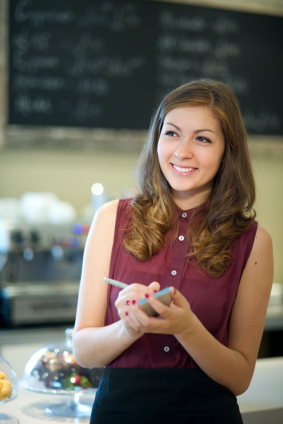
<point>195,132</point>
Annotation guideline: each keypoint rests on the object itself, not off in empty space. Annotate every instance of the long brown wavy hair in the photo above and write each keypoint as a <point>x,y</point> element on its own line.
<point>229,208</point>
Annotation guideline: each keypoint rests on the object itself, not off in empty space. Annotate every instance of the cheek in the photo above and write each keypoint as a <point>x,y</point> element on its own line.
<point>161,152</point>
<point>164,151</point>
<point>158,150</point>
<point>215,162</point>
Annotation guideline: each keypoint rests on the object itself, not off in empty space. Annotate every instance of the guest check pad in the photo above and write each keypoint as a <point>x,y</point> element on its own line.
<point>163,296</point>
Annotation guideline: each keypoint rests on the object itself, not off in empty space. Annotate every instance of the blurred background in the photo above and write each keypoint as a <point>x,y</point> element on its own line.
<point>79,82</point>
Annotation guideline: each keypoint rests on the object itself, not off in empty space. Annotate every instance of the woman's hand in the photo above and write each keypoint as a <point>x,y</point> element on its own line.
<point>175,319</point>
<point>128,297</point>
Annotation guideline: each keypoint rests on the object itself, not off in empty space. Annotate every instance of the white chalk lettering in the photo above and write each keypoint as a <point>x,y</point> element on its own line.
<point>23,82</point>
<point>168,21</point>
<point>26,105</point>
<point>117,18</point>
<point>225,25</point>
<point>37,18</point>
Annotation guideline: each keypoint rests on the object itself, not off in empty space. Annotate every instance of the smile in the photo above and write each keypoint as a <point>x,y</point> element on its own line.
<point>183,169</point>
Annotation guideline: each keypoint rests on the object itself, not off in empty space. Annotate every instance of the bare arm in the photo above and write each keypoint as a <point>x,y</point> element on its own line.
<point>231,366</point>
<point>94,344</point>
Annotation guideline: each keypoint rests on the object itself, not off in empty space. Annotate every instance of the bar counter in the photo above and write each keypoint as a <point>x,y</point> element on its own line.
<point>262,403</point>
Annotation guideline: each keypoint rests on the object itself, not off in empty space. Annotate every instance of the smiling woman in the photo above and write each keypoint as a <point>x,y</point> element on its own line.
<point>190,150</point>
<point>198,125</point>
<point>191,227</point>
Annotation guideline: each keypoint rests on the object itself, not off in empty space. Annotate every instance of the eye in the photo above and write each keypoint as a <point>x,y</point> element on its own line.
<point>203,139</point>
<point>171,134</point>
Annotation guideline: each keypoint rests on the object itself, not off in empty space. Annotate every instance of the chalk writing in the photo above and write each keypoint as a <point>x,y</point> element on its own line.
<point>107,63</point>
<point>37,17</point>
<point>98,86</point>
<point>262,121</point>
<point>110,15</point>
<point>85,110</point>
<point>27,105</point>
<point>169,43</point>
<point>169,21</point>
<point>225,25</point>
<point>44,82</point>
<point>25,40</point>
<point>226,48</point>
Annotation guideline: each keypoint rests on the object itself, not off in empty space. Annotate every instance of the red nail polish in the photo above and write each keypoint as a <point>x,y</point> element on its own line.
<point>127,302</point>
<point>147,295</point>
<point>127,313</point>
<point>155,291</point>
<point>133,301</point>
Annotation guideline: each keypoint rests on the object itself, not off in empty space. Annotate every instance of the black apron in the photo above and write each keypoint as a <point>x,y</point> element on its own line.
<point>165,396</point>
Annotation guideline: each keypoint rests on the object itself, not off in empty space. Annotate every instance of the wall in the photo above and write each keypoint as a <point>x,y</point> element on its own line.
<point>70,171</point>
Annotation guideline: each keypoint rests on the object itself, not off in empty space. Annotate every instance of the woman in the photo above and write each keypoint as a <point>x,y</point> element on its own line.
<point>193,228</point>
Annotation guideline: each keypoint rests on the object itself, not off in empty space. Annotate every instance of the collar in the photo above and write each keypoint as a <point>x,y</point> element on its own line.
<point>187,213</point>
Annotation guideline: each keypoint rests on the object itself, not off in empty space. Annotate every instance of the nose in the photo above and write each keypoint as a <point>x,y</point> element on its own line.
<point>184,150</point>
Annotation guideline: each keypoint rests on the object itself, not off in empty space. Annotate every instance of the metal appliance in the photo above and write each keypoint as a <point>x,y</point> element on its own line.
<point>40,268</point>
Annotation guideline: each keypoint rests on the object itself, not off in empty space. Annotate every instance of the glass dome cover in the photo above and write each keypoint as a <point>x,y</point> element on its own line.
<point>10,376</point>
<point>53,369</point>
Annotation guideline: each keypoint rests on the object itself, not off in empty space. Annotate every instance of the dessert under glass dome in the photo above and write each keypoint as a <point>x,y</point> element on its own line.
<point>7,374</point>
<point>53,370</point>
<point>10,376</point>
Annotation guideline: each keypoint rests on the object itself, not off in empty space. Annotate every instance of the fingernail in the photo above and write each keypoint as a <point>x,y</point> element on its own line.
<point>147,295</point>
<point>133,301</point>
<point>155,291</point>
<point>127,313</point>
<point>127,302</point>
<point>174,290</point>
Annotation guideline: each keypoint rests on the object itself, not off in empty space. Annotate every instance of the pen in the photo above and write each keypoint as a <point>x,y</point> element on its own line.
<point>115,283</point>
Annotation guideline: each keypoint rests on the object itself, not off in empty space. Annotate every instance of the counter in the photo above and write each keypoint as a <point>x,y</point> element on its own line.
<point>261,404</point>
<point>29,408</point>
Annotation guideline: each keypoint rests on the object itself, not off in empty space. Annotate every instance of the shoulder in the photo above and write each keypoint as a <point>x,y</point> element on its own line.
<point>116,208</point>
<point>106,216</point>
<point>104,220</point>
<point>108,210</point>
<point>260,262</point>
<point>263,234</point>
<point>263,241</point>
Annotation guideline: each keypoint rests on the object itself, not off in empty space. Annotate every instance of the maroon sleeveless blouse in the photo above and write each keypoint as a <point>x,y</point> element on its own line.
<point>211,299</point>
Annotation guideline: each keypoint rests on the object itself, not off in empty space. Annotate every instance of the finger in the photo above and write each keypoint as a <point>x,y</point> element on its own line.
<point>128,317</point>
<point>155,286</point>
<point>158,306</point>
<point>135,291</point>
<point>136,319</point>
<point>129,323</point>
<point>141,318</point>
<point>177,298</point>
<point>135,287</point>
<point>131,292</point>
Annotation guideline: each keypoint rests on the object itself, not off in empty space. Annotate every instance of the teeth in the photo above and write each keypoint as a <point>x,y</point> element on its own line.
<point>183,169</point>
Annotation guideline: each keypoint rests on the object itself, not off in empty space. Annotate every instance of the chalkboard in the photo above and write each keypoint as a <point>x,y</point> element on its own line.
<point>107,64</point>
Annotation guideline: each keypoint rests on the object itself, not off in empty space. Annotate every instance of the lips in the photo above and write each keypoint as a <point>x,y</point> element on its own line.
<point>182,169</point>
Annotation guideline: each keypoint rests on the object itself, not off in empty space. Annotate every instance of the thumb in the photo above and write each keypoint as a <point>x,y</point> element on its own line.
<point>155,286</point>
<point>177,298</point>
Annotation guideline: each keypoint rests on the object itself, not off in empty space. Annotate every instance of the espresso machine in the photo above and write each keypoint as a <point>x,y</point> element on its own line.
<point>40,269</point>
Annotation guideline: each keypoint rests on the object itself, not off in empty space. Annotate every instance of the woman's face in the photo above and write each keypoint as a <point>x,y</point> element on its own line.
<point>190,150</point>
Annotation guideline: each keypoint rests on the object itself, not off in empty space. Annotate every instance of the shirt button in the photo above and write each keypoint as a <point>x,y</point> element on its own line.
<point>174,272</point>
<point>184,215</point>
<point>166,349</point>
<point>181,238</point>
